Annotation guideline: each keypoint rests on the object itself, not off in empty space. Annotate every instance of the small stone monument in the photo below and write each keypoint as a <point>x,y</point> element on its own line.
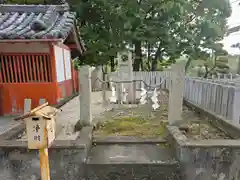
<point>125,73</point>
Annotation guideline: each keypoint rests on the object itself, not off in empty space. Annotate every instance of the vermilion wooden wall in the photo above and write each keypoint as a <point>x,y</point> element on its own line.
<point>27,75</point>
<point>32,75</point>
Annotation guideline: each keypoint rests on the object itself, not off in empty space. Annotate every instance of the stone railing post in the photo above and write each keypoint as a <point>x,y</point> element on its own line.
<point>85,95</point>
<point>176,92</point>
<point>236,105</point>
<point>104,90</point>
<point>27,105</point>
<point>119,87</point>
<point>131,98</point>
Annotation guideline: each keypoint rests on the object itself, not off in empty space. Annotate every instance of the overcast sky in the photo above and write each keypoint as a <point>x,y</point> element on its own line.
<point>233,21</point>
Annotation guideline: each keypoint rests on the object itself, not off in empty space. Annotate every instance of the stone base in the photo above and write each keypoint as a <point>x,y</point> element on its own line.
<point>127,140</point>
<point>66,158</point>
<point>132,171</point>
<point>131,162</point>
<point>205,159</point>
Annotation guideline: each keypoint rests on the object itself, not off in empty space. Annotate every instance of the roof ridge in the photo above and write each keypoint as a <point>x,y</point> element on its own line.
<point>46,20</point>
<point>4,8</point>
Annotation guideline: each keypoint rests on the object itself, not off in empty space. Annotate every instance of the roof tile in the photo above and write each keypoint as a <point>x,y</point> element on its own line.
<point>35,21</point>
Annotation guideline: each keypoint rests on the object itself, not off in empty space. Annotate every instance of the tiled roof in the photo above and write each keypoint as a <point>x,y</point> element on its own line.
<point>35,21</point>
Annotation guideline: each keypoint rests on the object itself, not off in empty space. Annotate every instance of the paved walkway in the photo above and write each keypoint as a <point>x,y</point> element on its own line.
<point>7,123</point>
<point>71,114</point>
<point>66,119</point>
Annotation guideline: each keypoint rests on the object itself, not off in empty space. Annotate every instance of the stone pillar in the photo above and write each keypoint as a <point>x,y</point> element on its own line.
<point>176,92</point>
<point>130,98</point>
<point>85,95</point>
<point>27,106</point>
<point>225,77</point>
<point>42,101</point>
<point>236,105</point>
<point>95,74</point>
<point>104,91</point>
<point>119,88</point>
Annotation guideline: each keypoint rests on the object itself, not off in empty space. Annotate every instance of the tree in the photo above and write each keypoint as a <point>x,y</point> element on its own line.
<point>100,25</point>
<point>33,1</point>
<point>150,22</point>
<point>207,25</point>
<point>166,28</point>
<point>173,28</point>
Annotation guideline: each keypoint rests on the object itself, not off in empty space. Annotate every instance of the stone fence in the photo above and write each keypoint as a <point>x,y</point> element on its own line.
<point>215,96</point>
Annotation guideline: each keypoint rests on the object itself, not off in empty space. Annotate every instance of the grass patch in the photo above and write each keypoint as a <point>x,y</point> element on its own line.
<point>131,126</point>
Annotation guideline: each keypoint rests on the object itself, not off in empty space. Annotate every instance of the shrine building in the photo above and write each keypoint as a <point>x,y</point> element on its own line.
<point>37,44</point>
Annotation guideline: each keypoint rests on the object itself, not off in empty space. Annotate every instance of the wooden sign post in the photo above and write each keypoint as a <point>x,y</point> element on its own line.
<point>40,126</point>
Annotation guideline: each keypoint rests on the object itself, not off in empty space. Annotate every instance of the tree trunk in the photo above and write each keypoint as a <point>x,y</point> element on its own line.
<point>188,64</point>
<point>112,63</point>
<point>142,67</point>
<point>154,61</point>
<point>149,57</point>
<point>154,65</point>
<point>138,56</point>
<point>207,72</point>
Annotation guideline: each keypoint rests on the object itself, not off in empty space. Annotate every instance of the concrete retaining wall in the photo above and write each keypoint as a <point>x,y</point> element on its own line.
<point>66,158</point>
<point>206,159</point>
<point>64,164</point>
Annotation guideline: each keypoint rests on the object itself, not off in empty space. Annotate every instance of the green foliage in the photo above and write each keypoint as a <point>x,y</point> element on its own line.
<point>76,63</point>
<point>100,25</point>
<point>33,1</point>
<point>166,28</point>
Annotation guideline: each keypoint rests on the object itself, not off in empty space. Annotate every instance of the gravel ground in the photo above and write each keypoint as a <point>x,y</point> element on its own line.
<point>202,130</point>
<point>118,122</point>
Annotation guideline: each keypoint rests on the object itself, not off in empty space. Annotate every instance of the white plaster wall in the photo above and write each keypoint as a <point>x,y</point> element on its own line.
<point>58,52</point>
<point>67,59</point>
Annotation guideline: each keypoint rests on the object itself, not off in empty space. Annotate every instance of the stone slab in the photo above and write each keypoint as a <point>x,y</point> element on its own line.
<point>128,154</point>
<point>127,140</point>
<point>132,172</point>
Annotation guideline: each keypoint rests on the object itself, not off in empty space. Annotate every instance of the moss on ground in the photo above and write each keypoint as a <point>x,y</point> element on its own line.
<point>139,121</point>
<point>131,126</point>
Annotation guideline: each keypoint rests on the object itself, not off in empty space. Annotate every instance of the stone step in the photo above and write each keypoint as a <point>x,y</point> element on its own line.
<point>132,162</point>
